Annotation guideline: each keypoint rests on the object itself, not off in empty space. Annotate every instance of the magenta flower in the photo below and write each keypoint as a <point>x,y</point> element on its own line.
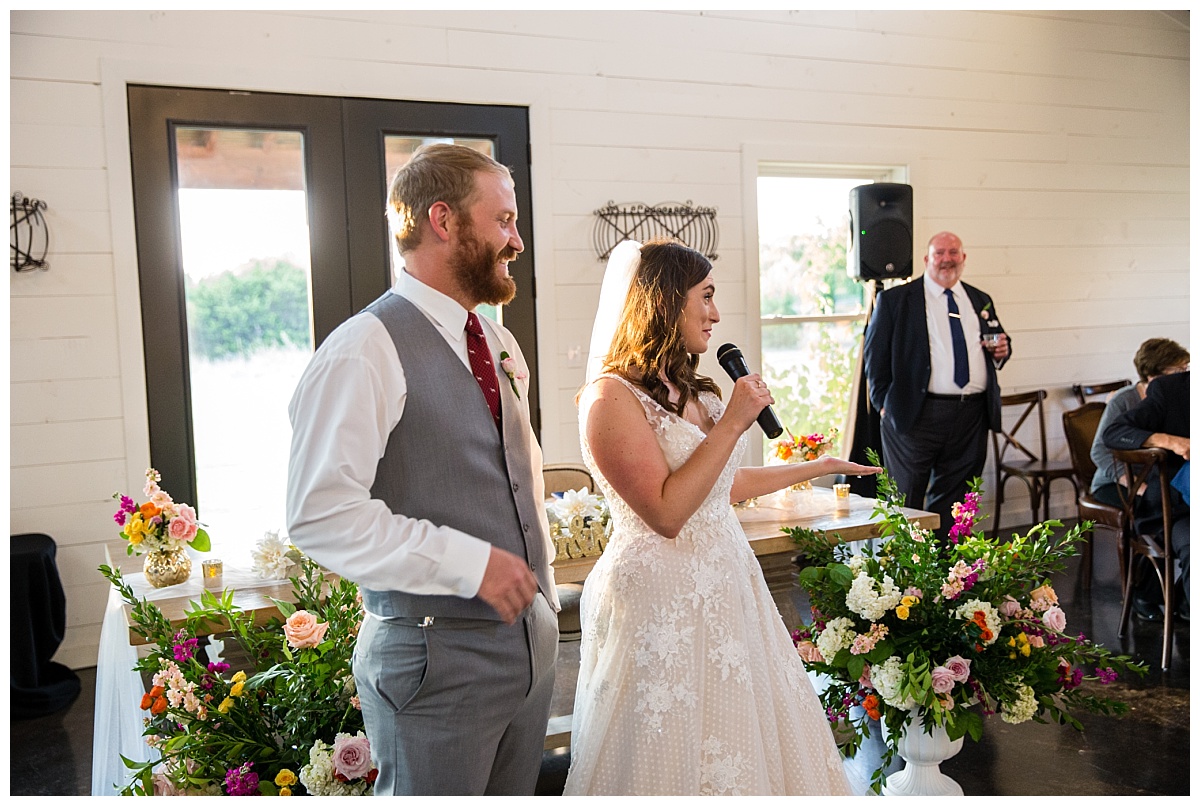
<point>184,648</point>
<point>240,781</point>
<point>1106,676</point>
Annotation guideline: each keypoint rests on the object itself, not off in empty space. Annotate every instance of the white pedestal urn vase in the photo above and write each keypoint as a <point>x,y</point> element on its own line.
<point>922,753</point>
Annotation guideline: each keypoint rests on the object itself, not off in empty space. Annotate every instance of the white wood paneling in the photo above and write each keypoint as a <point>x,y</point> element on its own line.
<point>1056,143</point>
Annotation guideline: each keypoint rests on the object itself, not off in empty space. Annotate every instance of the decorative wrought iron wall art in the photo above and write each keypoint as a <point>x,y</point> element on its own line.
<point>29,237</point>
<point>694,226</point>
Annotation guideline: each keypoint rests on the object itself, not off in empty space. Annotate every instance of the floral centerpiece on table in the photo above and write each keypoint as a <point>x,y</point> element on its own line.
<point>793,450</point>
<point>579,523</point>
<point>955,631</point>
<point>159,524</point>
<point>288,724</point>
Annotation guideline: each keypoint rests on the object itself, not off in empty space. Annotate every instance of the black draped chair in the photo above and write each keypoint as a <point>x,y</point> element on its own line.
<point>39,621</point>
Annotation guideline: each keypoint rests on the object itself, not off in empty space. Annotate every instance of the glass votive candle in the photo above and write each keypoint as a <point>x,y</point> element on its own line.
<point>841,499</point>
<point>212,570</point>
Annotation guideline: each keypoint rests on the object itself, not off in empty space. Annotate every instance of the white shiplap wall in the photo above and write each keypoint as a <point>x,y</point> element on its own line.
<point>1055,143</point>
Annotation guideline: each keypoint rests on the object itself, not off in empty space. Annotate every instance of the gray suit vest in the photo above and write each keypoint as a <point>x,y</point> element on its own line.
<point>447,463</point>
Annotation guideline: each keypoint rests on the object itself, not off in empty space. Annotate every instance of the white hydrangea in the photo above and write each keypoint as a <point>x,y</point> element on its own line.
<point>273,557</point>
<point>1022,710</point>
<point>871,598</point>
<point>991,617</point>
<point>837,635</point>
<point>888,678</point>
<point>317,774</point>
<point>856,564</point>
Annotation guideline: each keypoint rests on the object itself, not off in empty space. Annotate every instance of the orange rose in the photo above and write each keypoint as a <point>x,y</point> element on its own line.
<point>159,706</point>
<point>147,701</point>
<point>149,510</point>
<point>871,706</point>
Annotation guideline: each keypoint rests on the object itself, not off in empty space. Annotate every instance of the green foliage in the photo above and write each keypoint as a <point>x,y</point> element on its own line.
<point>237,313</point>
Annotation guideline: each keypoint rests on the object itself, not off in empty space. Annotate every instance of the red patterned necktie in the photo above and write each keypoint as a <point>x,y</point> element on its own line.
<point>481,365</point>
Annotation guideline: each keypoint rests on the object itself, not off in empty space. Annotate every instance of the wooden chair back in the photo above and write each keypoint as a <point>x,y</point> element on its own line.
<point>1079,426</point>
<point>1085,390</point>
<point>1007,439</point>
<point>563,476</point>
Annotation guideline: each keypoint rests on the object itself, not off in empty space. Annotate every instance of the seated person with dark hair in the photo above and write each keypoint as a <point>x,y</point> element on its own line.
<point>1153,358</point>
<point>1160,421</point>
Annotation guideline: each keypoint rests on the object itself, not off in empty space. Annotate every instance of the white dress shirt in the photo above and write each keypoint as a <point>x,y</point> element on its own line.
<point>941,349</point>
<point>345,407</point>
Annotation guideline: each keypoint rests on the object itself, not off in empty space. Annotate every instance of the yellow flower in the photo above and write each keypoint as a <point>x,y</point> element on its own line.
<point>908,601</point>
<point>240,677</point>
<point>1012,641</point>
<point>285,778</point>
<point>236,689</point>
<point>902,612</point>
<point>284,792</point>
<point>225,705</point>
<point>1012,655</point>
<point>1025,650</point>
<point>136,538</point>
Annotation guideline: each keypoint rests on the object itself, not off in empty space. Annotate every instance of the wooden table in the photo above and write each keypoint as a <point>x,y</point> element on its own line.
<point>764,524</point>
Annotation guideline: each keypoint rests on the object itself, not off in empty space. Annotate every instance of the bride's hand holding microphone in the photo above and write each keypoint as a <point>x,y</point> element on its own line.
<point>750,396</point>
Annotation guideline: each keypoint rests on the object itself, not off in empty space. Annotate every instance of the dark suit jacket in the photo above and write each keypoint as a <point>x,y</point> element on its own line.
<point>896,353</point>
<point>1165,410</point>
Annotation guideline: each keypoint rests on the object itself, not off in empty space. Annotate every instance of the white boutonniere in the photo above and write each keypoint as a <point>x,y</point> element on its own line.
<point>984,313</point>
<point>509,365</point>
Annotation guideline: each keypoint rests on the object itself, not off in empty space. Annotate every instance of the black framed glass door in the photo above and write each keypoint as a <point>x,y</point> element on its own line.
<point>261,227</point>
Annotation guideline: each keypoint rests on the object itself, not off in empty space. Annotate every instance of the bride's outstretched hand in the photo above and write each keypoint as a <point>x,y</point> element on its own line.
<point>832,465</point>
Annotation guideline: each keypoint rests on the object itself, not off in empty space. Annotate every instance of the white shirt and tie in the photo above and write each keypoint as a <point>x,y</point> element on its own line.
<point>941,350</point>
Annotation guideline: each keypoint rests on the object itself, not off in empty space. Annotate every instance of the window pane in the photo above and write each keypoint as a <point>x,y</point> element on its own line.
<point>804,227</point>
<point>245,247</point>
<point>809,367</point>
<point>399,148</point>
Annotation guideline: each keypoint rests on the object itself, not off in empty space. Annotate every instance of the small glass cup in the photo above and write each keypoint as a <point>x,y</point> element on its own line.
<point>212,571</point>
<point>992,339</point>
<point>841,499</point>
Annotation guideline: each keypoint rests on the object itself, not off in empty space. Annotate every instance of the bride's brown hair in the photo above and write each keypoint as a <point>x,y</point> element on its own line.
<point>647,344</point>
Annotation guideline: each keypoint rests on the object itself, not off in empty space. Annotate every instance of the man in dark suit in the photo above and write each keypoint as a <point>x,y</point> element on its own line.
<point>932,350</point>
<point>1161,421</point>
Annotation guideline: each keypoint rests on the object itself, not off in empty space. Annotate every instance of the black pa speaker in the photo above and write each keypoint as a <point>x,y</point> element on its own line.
<point>881,232</point>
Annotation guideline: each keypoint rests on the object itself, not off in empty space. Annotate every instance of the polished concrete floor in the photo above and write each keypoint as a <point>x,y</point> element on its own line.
<point>1146,752</point>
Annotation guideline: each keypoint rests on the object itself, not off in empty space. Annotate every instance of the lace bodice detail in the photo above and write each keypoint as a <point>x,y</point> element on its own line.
<point>678,439</point>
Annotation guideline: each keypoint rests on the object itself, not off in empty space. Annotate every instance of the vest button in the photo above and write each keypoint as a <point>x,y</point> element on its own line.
<point>516,487</point>
<point>525,526</point>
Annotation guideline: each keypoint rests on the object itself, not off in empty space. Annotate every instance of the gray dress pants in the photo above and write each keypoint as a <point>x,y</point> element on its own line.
<point>458,707</point>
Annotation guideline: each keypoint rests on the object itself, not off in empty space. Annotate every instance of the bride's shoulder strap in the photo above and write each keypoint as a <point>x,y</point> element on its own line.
<point>654,412</point>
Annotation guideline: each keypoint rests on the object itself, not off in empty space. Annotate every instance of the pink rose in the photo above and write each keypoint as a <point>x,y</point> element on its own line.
<point>864,679</point>
<point>959,667</point>
<point>179,529</point>
<point>509,365</point>
<point>942,680</point>
<point>1055,618</point>
<point>1036,641</point>
<point>351,756</point>
<point>164,786</point>
<point>303,630</point>
<point>809,652</point>
<point>1009,607</point>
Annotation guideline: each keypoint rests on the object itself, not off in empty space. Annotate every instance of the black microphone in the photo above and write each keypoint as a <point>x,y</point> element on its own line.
<point>733,362</point>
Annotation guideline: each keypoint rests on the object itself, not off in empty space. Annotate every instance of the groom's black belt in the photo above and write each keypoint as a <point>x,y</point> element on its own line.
<point>957,398</point>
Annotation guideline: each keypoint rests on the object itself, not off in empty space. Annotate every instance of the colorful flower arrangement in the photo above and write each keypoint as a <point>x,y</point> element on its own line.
<point>805,448</point>
<point>954,631</point>
<point>288,724</point>
<point>160,524</point>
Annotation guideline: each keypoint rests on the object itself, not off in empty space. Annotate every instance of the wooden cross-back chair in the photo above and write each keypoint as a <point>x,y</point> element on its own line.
<point>1085,390</point>
<point>1142,539</point>
<point>560,477</point>
<point>1015,460</point>
<point>1079,426</point>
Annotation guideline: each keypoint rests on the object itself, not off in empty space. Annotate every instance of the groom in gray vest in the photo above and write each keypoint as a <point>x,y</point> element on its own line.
<point>415,472</point>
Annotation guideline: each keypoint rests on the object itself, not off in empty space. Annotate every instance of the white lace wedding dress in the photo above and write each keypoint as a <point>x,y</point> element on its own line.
<point>688,679</point>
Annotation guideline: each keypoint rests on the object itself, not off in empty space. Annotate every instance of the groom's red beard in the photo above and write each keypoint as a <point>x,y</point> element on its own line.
<point>477,270</point>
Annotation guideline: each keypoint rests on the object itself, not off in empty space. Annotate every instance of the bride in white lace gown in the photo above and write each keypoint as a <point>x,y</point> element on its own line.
<point>688,680</point>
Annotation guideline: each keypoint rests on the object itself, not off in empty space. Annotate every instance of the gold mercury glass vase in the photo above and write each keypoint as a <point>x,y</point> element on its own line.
<point>170,567</point>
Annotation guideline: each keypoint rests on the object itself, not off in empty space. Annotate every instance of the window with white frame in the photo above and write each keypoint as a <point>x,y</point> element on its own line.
<point>812,312</point>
